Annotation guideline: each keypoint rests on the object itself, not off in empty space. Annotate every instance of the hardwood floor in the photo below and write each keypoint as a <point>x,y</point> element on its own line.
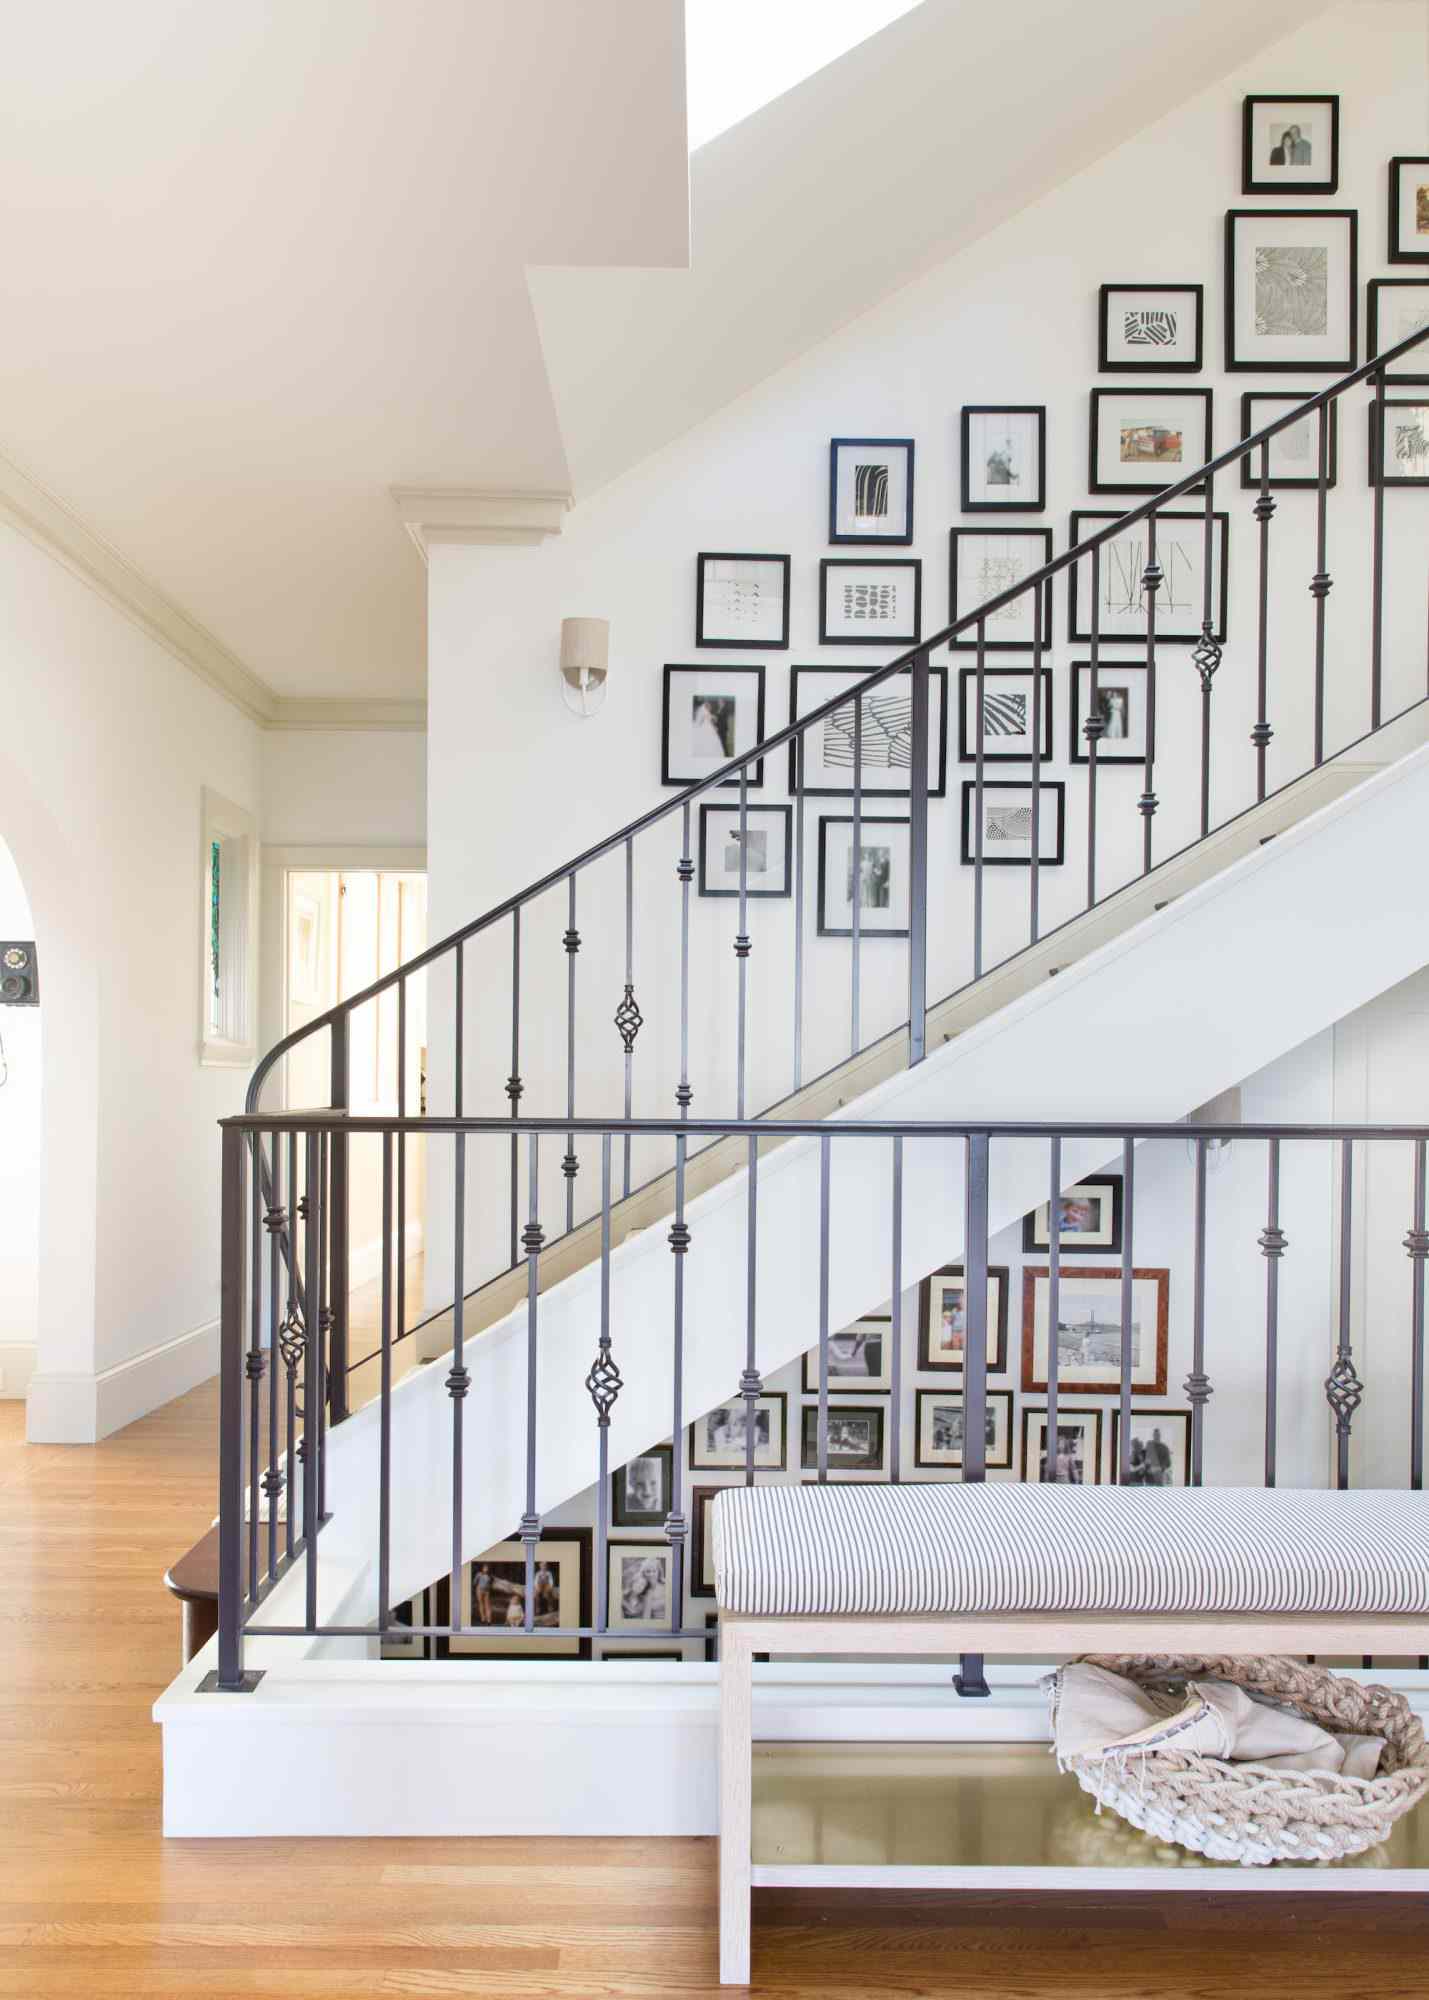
<point>94,1902</point>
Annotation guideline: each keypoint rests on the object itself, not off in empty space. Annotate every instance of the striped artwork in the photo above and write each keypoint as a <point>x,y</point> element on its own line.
<point>1004,714</point>
<point>887,734</point>
<point>870,491</point>
<point>1149,329</point>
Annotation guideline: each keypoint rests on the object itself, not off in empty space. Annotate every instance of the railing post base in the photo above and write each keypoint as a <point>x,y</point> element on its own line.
<point>247,1681</point>
<point>970,1682</point>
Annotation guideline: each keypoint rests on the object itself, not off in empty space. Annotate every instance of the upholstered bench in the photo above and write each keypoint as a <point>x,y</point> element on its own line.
<point>1048,1571</point>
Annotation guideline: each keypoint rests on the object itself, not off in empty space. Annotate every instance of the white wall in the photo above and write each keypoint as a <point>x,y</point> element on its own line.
<point>19,1156</point>
<point>344,786</point>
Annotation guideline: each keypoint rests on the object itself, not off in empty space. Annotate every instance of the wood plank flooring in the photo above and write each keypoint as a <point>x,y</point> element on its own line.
<point>94,1902</point>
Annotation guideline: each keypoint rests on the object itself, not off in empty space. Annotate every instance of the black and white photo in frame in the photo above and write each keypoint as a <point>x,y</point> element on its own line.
<point>710,715</point>
<point>1076,1459</point>
<point>1409,210</point>
<point>875,744</point>
<point>760,839</point>
<point>1122,705</point>
<point>856,1437</point>
<point>1008,697</point>
<point>1290,145</point>
<point>638,1591</point>
<point>1292,290</point>
<point>1294,451</point>
<point>872,601</point>
<point>1399,441</point>
<point>1089,1330</point>
<point>938,1430</point>
<point>985,562</point>
<point>717,1439</point>
<point>860,1358</point>
<point>871,490</point>
<point>640,1489</point>
<point>999,818</point>
<point>701,1577</point>
<point>1004,458</point>
<point>1088,1219</point>
<point>1397,308</point>
<point>1144,440</point>
<point>943,1319</point>
<point>1181,556</point>
<point>1148,328</point>
<point>742,601</point>
<point>493,1600</point>
<point>1160,1448</point>
<point>880,879</point>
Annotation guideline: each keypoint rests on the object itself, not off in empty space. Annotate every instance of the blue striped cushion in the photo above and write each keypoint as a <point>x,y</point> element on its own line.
<point>786,1550</point>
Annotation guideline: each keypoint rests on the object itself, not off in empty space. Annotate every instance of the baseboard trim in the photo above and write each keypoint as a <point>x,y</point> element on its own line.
<point>82,1409</point>
<point>17,1366</point>
<point>364,1264</point>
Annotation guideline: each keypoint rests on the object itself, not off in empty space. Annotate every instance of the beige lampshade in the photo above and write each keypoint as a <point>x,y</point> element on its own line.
<point>585,646</point>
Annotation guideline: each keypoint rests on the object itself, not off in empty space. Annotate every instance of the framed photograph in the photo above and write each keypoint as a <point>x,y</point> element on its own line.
<point>871,490</point>
<point>1160,1448</point>
<point>1089,1220</point>
<point>1077,1458</point>
<point>873,601</point>
<point>742,601</point>
<point>1292,288</point>
<point>1399,441</point>
<point>1150,328</point>
<point>1004,838</point>
<point>1181,552</point>
<point>640,1490</point>
<point>717,1438</point>
<point>1396,308</point>
<point>493,1596</point>
<point>639,1586</point>
<point>1409,210</point>
<point>885,734</point>
<point>943,1319</point>
<point>399,1641</point>
<point>938,1434</point>
<point>700,1576</point>
<point>1290,145</point>
<point>627,1653</point>
<point>1089,1331</point>
<point>1121,700</point>
<point>1007,704</point>
<point>1004,458</point>
<point>860,1358</point>
<point>984,562</point>
<point>764,840</point>
<point>881,877</point>
<point>1144,440</point>
<point>710,714</point>
<point>1295,451</point>
<point>856,1434</point>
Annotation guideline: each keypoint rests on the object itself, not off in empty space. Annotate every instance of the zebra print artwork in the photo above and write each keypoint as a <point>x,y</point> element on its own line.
<point>887,734</point>
<point>1149,329</point>
<point>1004,714</point>
<point>1010,823</point>
<point>870,492</point>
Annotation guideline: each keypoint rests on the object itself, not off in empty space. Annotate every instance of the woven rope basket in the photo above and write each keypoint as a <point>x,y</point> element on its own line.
<point>1248,1812</point>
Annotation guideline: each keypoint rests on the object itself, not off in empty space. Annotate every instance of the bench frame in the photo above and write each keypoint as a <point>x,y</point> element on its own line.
<point>1043,1635</point>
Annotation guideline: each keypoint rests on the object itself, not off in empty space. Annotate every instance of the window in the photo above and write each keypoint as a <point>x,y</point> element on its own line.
<point>228,1011</point>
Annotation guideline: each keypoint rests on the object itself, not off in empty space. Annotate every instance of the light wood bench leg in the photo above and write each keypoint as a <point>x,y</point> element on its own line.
<point>736,1788</point>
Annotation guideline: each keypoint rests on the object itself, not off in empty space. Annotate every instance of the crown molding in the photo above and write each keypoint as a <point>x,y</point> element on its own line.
<point>345,712</point>
<point>479,516</point>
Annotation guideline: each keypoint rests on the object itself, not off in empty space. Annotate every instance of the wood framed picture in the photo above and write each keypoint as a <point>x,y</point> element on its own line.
<point>1294,451</point>
<point>1145,329</point>
<point>1395,308</point>
<point>876,745</point>
<point>1122,705</point>
<point>1076,1459</point>
<point>1290,145</point>
<point>1121,599</point>
<point>871,490</point>
<point>709,715</point>
<point>1001,820</point>
<point>1089,1330</point>
<point>640,1587</point>
<point>1409,210</point>
<point>1144,440</point>
<point>938,1430</point>
<point>742,600</point>
<point>493,1598</point>
<point>870,600</point>
<point>1160,1453</point>
<point>880,879</point>
<point>943,1320</point>
<point>985,562</point>
<point>717,1438</point>
<point>1399,441</point>
<point>1004,458</point>
<point>1089,1220</point>
<point>400,1641</point>
<point>1292,289</point>
<point>701,1577</point>
<point>856,1437</point>
<point>640,1489</point>
<point>860,1358</point>
<point>1009,727</point>
<point>761,841</point>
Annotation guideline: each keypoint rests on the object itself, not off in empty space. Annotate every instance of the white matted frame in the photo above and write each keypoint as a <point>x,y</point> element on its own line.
<point>1292,290</point>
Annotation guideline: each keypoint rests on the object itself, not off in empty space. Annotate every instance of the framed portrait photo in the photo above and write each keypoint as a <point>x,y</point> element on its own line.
<point>860,1358</point>
<point>1395,309</point>
<point>710,715</point>
<point>760,841</point>
<point>1291,290</point>
<point>1294,451</point>
<point>1076,1456</point>
<point>1122,706</point>
<point>717,1438</point>
<point>1145,329</point>
<point>1089,1220</point>
<point>984,562</point>
<point>938,1430</point>
<point>871,490</point>
<point>639,1587</point>
<point>876,745</point>
<point>943,1319</point>
<point>880,878</point>
<point>1001,819</point>
<point>742,601</point>
<point>1399,441</point>
<point>1004,458</point>
<point>856,1437</point>
<point>640,1489</point>
<point>493,1600</point>
<point>1290,145</point>
<point>1160,1448</point>
<point>870,601</point>
<point>1409,210</point>
<point>1089,1330</point>
<point>701,1576</point>
<point>400,1641</point>
<point>1144,440</point>
<point>1121,599</point>
<point>1009,696</point>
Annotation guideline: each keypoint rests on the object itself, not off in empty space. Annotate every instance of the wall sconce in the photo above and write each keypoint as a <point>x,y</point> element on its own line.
<point>585,662</point>
<point>1223,1109</point>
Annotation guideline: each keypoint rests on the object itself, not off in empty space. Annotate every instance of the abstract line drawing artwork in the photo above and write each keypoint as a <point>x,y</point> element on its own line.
<point>887,734</point>
<point>871,603</point>
<point>1292,291</point>
<point>1004,714</point>
<point>994,575</point>
<point>870,492</point>
<point>1150,329</point>
<point>1124,565</point>
<point>1010,823</point>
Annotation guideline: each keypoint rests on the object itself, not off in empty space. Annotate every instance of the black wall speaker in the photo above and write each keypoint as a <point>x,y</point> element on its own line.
<point>19,975</point>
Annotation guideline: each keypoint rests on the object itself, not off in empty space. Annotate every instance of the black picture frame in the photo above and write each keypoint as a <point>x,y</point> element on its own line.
<point>948,1395</point>
<point>708,815</point>
<point>757,645</point>
<point>957,610</point>
<point>1036,1245</point>
<point>1179,1419</point>
<point>1397,254</point>
<point>1379,412</point>
<point>1166,635</point>
<point>733,1464</point>
<point>999,1278</point>
<point>701,1499</point>
<point>1255,364</point>
<point>1053,790</point>
<point>622,1514</point>
<point>809,1437</point>
<point>937,733</point>
<point>967,714</point>
<point>1249,424</point>
<point>1156,366</point>
<point>1374,289</point>
<point>1078,751</point>
<point>866,820</point>
<point>1093,1418</point>
<point>828,565</point>
<point>1198,455</point>
<point>582,1538</point>
<point>754,771</point>
<point>1250,183</point>
<point>901,538</point>
<point>1020,505</point>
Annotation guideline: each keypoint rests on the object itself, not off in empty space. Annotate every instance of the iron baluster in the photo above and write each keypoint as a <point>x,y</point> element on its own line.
<point>895,1330</point>
<point>1207,656</point>
<point>570,1165</point>
<point>825,1147</point>
<point>741,941</point>
<point>628,1018</point>
<point>1128,1205</point>
<point>291,1342</point>
<point>1376,685</point>
<point>918,867</point>
<point>514,1085</point>
<point>1417,1244</point>
<point>971,1681</point>
<point>253,1366</point>
<point>1197,1384</point>
<point>750,1385</point>
<point>335,1182</point>
<point>402,1160</point>
<point>1035,870</point>
<point>459,1378</point>
<point>384,1437</point>
<point>978,794</point>
<point>685,874</point>
<point>856,874</point>
<point>459,1039</point>
<point>798,911</point>
<point>532,1237</point>
<point>603,1385</point>
<point>1260,735</point>
<point>1151,581</point>
<point>230,1677</point>
<point>1094,726</point>
<point>1273,1241</point>
<point>325,1321</point>
<point>1343,1388</point>
<point>1320,583</point>
<point>676,1526</point>
<point>1054,1303</point>
<point>312,1380</point>
<point>276,1223</point>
